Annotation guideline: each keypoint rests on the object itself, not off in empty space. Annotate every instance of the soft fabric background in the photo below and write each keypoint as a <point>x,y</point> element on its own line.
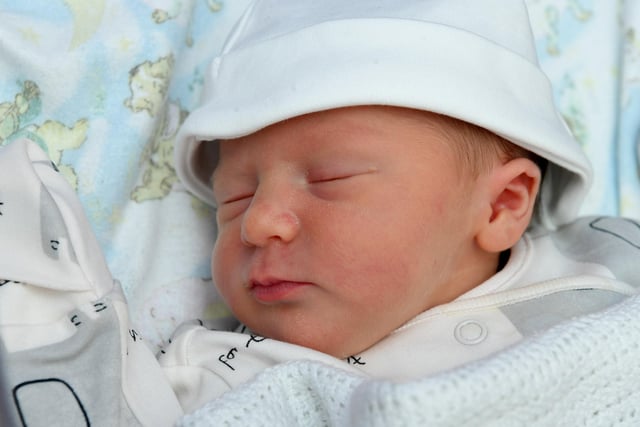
<point>103,85</point>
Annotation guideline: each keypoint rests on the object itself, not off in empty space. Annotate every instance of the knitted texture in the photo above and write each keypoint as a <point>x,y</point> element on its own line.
<point>581,373</point>
<point>292,394</point>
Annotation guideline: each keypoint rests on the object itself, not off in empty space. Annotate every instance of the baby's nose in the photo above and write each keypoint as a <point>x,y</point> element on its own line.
<point>268,220</point>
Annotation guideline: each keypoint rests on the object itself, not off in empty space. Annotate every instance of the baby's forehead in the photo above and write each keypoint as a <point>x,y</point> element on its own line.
<point>337,135</point>
<point>346,121</point>
<point>348,125</point>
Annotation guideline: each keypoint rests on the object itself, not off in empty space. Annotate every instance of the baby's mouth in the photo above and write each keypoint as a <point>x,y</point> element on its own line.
<point>273,291</point>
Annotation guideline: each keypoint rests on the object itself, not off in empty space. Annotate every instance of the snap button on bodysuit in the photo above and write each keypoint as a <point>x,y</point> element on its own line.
<point>470,332</point>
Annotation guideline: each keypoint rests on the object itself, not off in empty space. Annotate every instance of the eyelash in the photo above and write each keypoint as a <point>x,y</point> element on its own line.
<point>331,177</point>
<point>237,199</point>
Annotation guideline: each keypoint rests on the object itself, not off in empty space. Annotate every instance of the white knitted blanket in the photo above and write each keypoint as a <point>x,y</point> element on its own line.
<point>582,373</point>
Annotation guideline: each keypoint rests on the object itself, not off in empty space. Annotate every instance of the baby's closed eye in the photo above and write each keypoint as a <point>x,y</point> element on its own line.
<point>233,198</point>
<point>232,205</point>
<point>337,183</point>
<point>328,174</point>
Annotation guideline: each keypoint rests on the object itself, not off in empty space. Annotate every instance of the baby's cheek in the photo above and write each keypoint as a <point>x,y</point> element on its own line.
<point>223,265</point>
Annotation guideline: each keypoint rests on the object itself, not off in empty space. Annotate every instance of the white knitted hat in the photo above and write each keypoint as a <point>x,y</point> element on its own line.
<point>470,59</point>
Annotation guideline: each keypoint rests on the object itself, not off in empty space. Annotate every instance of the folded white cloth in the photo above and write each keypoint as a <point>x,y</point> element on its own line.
<point>69,353</point>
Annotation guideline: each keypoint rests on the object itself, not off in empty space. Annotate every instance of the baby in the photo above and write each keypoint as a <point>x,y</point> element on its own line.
<point>375,166</point>
<point>337,227</point>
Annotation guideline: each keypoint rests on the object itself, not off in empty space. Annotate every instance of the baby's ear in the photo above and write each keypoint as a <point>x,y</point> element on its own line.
<point>512,194</point>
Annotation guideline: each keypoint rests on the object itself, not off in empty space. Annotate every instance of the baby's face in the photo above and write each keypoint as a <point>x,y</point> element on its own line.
<point>335,228</point>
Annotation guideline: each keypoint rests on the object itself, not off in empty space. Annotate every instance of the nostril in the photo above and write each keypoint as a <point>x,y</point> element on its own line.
<point>288,226</point>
